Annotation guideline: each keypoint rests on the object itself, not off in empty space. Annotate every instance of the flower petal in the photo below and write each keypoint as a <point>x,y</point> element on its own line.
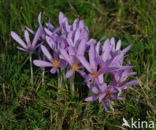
<point>30,30</point>
<point>77,36</point>
<point>126,49</point>
<point>42,63</point>
<point>130,83</point>
<point>110,105</point>
<point>26,34</point>
<point>101,96</point>
<point>104,103</point>
<point>81,48</point>
<point>39,18</point>
<point>22,49</point>
<point>48,32</point>
<point>75,24</point>
<point>83,74</point>
<point>85,63</point>
<point>37,35</point>
<point>50,42</point>
<point>69,73</point>
<point>46,53</point>
<point>66,56</point>
<point>53,70</point>
<point>112,41</point>
<point>118,46</point>
<point>92,98</point>
<point>61,18</point>
<point>18,39</point>
<point>94,89</point>
<point>92,57</point>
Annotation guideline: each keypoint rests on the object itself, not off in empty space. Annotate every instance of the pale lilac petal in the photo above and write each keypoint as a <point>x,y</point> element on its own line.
<point>117,97</point>
<point>50,26</point>
<point>112,41</point>
<point>30,30</point>
<point>69,38</point>
<point>26,34</point>
<point>18,39</point>
<point>48,32</point>
<point>46,52</point>
<point>61,18</point>
<point>75,24</point>
<point>81,24</point>
<point>63,64</point>
<point>92,87</point>
<point>83,74</point>
<point>103,87</point>
<point>126,49</point>
<point>92,98</point>
<point>126,74</point>
<point>110,105</point>
<point>85,63</point>
<point>105,106</point>
<point>101,79</point>
<point>91,41</point>
<point>71,51</point>
<point>37,35</point>
<point>84,34</point>
<point>118,46</point>
<point>50,42</point>
<point>98,47</point>
<point>69,73</point>
<point>106,45</point>
<point>101,96</point>
<point>106,54</point>
<point>92,57</point>
<point>130,83</point>
<point>22,49</point>
<point>88,77</point>
<point>42,63</point>
<point>53,70</point>
<point>77,36</point>
<point>39,18</point>
<point>81,48</point>
<point>66,56</point>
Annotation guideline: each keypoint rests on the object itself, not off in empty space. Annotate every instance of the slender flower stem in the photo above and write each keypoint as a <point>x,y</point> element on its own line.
<point>43,73</point>
<point>31,68</point>
<point>72,85</point>
<point>59,78</point>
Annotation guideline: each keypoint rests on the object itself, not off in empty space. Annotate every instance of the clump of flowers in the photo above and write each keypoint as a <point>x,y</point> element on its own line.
<point>69,48</point>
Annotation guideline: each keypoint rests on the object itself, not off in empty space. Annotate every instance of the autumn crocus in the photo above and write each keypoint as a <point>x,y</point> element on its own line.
<point>53,61</point>
<point>92,65</point>
<point>104,93</point>
<point>27,46</point>
<point>71,58</point>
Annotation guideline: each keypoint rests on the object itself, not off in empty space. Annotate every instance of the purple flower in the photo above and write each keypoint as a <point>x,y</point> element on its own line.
<point>27,46</point>
<point>104,94</point>
<point>55,62</point>
<point>70,57</point>
<point>92,65</point>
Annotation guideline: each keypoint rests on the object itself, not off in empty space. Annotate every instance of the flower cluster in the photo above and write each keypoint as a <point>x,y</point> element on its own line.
<point>70,46</point>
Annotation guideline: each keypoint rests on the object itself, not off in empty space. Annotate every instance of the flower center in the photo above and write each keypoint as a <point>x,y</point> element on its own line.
<point>55,63</point>
<point>75,67</point>
<point>108,94</point>
<point>95,74</point>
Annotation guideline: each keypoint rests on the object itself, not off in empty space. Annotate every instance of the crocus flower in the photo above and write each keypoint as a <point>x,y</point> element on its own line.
<point>53,61</point>
<point>92,65</point>
<point>104,93</point>
<point>70,57</point>
<point>27,46</point>
<point>119,79</point>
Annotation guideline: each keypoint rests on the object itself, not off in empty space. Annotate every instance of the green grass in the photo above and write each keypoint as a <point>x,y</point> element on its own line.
<point>23,106</point>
